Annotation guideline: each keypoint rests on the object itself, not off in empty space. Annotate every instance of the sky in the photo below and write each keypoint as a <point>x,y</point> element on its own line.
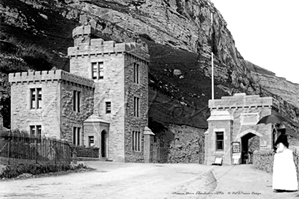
<point>266,33</point>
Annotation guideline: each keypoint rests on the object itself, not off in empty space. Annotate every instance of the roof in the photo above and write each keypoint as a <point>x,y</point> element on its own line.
<point>94,118</point>
<point>148,131</point>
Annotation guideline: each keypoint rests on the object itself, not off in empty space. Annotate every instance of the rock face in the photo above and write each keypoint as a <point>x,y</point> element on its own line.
<point>172,29</point>
<point>187,145</point>
<point>280,86</point>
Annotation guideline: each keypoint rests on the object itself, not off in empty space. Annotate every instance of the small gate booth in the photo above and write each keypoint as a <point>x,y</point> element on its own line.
<point>96,133</point>
<point>233,134</point>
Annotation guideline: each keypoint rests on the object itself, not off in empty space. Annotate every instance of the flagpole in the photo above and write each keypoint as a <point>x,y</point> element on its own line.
<point>212,63</point>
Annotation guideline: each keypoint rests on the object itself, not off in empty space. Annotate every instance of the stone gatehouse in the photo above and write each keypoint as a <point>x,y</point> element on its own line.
<point>102,102</point>
<point>233,133</point>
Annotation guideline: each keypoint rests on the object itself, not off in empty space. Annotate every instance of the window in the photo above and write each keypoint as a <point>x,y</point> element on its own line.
<point>35,98</point>
<point>220,141</point>
<point>108,107</point>
<point>136,140</point>
<point>91,141</point>
<point>76,101</point>
<point>36,131</point>
<point>97,70</point>
<point>136,106</point>
<point>76,136</point>
<point>136,75</point>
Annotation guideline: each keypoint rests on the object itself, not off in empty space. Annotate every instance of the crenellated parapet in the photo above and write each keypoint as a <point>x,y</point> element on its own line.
<point>52,75</point>
<point>241,100</point>
<point>99,47</point>
<point>85,45</point>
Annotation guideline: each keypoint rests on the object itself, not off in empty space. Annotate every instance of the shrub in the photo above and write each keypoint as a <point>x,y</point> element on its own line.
<point>11,64</point>
<point>24,56</point>
<point>34,169</point>
<point>90,152</point>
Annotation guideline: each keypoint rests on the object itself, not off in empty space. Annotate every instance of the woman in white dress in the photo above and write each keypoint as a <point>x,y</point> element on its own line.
<point>284,169</point>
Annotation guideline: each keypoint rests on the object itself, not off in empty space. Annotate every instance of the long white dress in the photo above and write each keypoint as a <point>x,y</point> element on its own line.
<point>284,170</point>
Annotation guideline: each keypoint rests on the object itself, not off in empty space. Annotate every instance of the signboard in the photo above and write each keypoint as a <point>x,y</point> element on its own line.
<point>236,147</point>
<point>236,152</point>
<point>249,118</point>
<point>218,161</point>
<point>236,158</point>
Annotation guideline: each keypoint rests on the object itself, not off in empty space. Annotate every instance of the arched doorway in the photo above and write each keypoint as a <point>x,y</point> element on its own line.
<point>250,141</point>
<point>103,144</point>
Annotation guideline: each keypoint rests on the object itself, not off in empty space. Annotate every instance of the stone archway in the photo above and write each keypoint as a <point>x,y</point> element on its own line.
<point>250,141</point>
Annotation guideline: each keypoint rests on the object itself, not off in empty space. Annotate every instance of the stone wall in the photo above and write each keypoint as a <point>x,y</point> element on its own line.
<point>70,118</point>
<point>56,115</point>
<point>132,90</point>
<point>115,87</point>
<point>187,146</point>
<point>110,88</point>
<point>96,47</point>
<point>244,112</point>
<point>95,128</point>
<point>21,114</point>
<point>210,142</point>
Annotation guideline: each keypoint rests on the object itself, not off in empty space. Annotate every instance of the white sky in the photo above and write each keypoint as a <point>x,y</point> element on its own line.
<point>266,33</point>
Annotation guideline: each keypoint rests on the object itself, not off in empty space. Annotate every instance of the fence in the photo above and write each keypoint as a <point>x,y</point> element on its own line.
<point>19,146</point>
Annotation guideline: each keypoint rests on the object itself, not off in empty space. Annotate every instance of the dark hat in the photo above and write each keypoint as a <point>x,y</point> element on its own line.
<point>282,126</point>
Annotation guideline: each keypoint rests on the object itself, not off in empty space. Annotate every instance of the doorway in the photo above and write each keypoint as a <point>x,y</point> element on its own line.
<point>103,144</point>
<point>250,143</point>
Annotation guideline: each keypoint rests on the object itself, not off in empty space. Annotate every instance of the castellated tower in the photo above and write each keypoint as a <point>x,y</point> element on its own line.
<point>120,75</point>
<point>233,133</point>
<point>51,103</point>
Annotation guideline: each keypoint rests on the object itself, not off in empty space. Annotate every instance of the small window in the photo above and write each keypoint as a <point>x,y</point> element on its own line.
<point>36,98</point>
<point>97,70</point>
<point>76,135</point>
<point>136,73</point>
<point>108,107</point>
<point>32,130</point>
<point>220,141</point>
<point>76,101</point>
<point>136,140</point>
<point>91,141</point>
<point>36,131</point>
<point>136,107</point>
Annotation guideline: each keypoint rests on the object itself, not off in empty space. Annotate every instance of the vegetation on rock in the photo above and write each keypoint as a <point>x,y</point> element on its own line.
<point>178,35</point>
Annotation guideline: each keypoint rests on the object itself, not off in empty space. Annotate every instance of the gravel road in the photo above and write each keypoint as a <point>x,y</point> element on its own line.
<point>117,180</point>
<point>149,181</point>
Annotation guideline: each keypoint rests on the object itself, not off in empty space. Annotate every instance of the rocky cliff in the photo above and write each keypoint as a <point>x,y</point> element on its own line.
<point>180,40</point>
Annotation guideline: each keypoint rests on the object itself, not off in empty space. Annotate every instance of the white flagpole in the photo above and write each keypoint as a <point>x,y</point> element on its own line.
<point>212,64</point>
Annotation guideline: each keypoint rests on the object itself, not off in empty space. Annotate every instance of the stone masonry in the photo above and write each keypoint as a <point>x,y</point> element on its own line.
<point>56,115</point>
<point>102,102</point>
<point>116,87</point>
<point>237,117</point>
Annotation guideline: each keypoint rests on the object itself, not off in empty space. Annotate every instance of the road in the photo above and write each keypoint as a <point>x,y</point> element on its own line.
<point>148,181</point>
<point>116,180</point>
